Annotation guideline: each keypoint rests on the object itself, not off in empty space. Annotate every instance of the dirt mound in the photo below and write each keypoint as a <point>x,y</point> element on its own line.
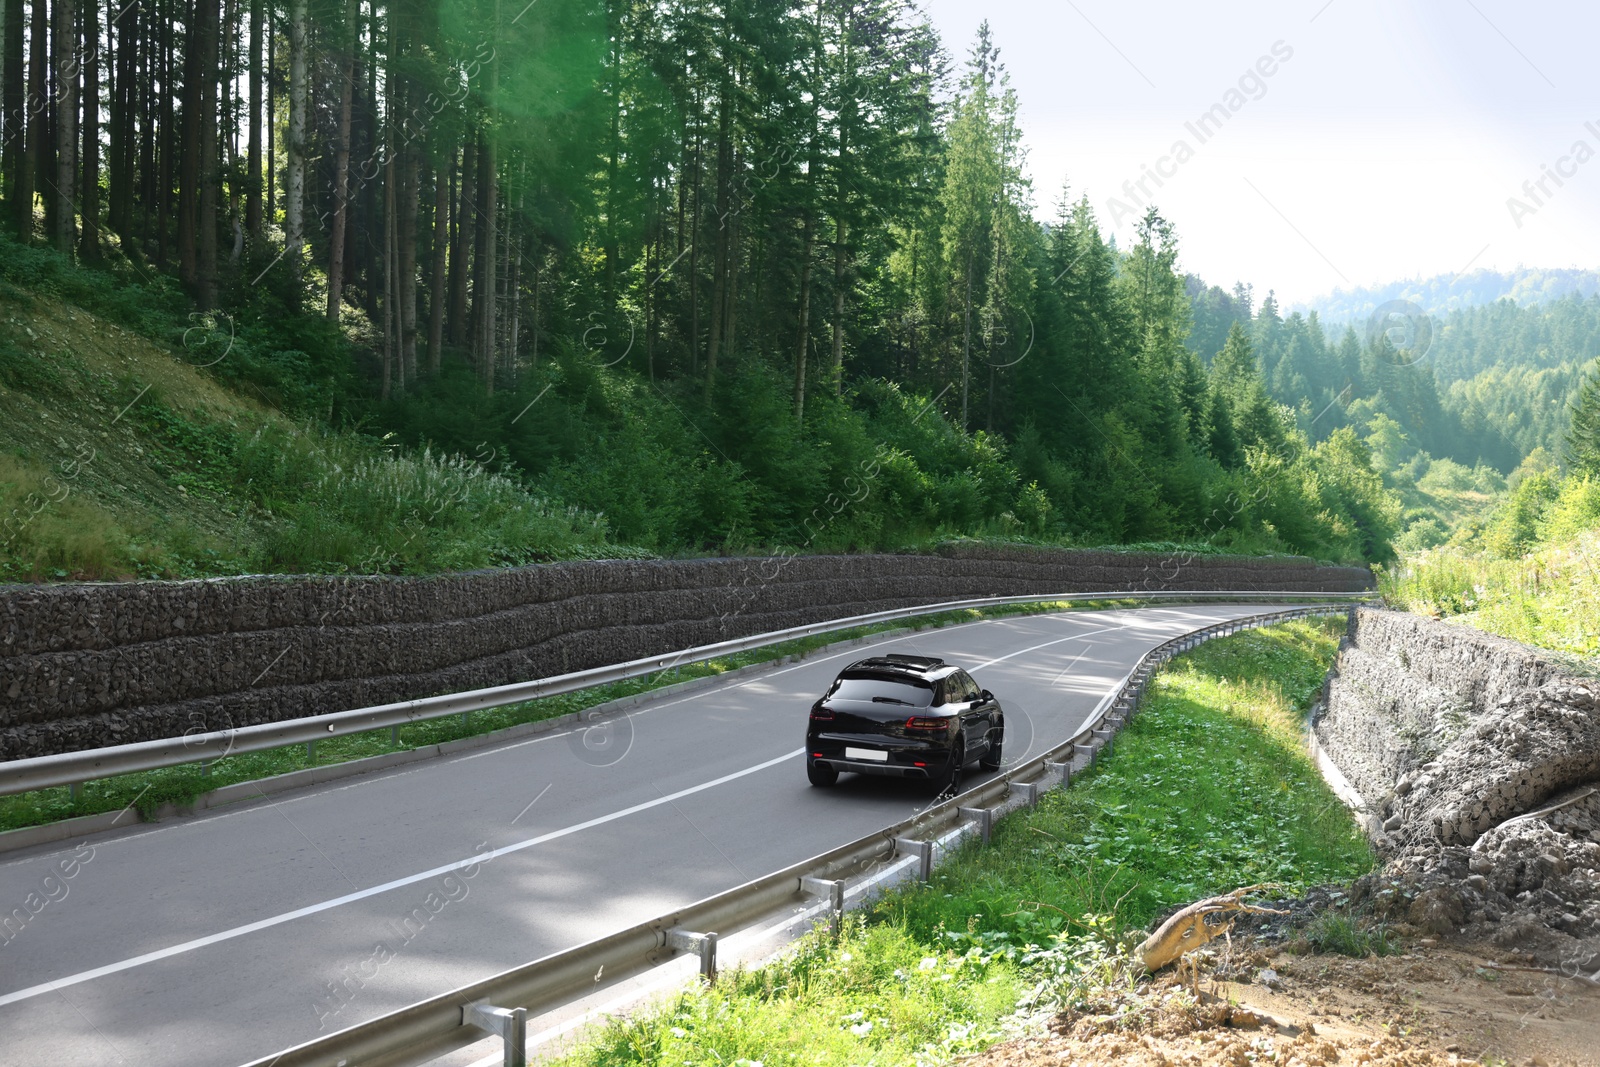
<point>1429,1004</point>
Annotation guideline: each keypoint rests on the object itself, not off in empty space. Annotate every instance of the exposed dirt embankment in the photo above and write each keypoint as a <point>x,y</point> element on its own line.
<point>84,666</point>
<point>1479,765</point>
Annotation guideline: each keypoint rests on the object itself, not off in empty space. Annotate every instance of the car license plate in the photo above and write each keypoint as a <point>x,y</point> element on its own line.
<point>866,753</point>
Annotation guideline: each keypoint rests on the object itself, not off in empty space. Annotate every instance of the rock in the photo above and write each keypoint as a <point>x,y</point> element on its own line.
<point>1271,979</point>
<point>1437,910</point>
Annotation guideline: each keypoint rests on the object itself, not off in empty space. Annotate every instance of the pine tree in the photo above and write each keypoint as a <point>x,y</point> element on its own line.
<point>1583,434</point>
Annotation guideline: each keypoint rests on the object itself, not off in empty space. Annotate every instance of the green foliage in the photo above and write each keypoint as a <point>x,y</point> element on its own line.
<point>1539,580</point>
<point>1583,433</point>
<point>1341,934</point>
<point>1515,526</point>
<point>877,996</point>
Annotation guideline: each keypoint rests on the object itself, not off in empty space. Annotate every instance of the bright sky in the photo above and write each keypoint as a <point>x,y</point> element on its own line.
<point>1385,146</point>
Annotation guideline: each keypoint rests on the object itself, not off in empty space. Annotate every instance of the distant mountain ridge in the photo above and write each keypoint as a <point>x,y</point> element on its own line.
<point>1444,293</point>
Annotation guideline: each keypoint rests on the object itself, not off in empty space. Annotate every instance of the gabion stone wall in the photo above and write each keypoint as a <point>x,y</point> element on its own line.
<point>85,666</point>
<point>1406,687</point>
<point>1479,764</point>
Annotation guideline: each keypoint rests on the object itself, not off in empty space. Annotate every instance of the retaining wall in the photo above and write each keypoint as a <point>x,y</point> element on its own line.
<point>1478,762</point>
<point>84,666</point>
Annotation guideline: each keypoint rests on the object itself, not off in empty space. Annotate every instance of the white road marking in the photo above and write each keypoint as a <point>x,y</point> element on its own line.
<point>412,879</point>
<point>276,920</point>
<point>1047,644</point>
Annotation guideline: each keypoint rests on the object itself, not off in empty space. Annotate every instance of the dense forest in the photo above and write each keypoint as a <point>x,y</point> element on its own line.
<point>1442,294</point>
<point>1479,385</point>
<point>733,275</point>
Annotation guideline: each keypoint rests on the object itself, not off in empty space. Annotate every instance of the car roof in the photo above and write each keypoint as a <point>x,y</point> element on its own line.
<point>925,667</point>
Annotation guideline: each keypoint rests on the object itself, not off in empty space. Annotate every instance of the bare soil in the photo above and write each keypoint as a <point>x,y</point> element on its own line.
<point>1433,1003</point>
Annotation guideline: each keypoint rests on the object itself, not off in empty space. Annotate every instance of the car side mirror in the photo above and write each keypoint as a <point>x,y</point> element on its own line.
<point>988,697</point>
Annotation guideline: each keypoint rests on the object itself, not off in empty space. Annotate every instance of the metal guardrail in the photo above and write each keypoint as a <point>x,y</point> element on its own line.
<point>500,1005</point>
<point>74,768</point>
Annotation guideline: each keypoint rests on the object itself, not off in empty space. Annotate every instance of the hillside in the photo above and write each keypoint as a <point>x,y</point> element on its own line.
<point>1444,293</point>
<point>119,459</point>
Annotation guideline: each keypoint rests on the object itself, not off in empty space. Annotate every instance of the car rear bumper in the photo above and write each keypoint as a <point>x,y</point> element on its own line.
<point>885,770</point>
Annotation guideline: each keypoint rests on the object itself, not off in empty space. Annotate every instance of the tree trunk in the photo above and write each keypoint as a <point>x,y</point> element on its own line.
<point>294,205</point>
<point>437,278</point>
<point>406,266</point>
<point>121,36</point>
<point>89,246</point>
<point>488,245</point>
<point>720,251</point>
<point>253,215</point>
<point>210,191</point>
<point>189,153</point>
<point>28,173</point>
<point>966,342</point>
<point>65,40</point>
<point>341,169</point>
<point>840,284</point>
<point>694,258</point>
<point>803,338</point>
<point>389,348</point>
<point>161,202</point>
<point>463,220</point>
<point>13,116</point>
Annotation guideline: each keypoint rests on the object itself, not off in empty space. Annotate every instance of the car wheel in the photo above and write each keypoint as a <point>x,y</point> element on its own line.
<point>991,758</point>
<point>821,774</point>
<point>949,782</point>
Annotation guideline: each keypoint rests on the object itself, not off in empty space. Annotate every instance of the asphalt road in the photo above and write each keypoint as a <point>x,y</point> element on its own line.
<point>218,939</point>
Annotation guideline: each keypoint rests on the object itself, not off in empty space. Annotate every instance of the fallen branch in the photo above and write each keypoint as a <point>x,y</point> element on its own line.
<point>1189,929</point>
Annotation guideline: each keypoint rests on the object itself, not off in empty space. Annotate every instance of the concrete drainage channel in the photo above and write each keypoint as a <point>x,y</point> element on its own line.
<point>819,888</point>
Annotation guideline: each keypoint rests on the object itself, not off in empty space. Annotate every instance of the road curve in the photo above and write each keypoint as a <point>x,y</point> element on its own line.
<point>231,935</point>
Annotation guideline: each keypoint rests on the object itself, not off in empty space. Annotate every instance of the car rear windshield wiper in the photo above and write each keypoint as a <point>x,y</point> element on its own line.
<point>892,700</point>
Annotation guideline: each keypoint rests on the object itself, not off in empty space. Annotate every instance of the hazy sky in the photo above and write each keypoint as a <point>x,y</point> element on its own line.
<point>1386,145</point>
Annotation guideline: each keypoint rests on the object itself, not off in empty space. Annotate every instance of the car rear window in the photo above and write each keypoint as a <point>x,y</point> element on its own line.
<point>860,687</point>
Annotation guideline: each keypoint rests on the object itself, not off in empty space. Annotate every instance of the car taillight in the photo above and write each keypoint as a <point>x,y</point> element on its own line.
<point>916,723</point>
<point>821,715</point>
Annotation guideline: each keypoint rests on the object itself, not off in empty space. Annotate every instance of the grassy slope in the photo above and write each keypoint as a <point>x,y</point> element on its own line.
<point>120,459</point>
<point>1549,598</point>
<point>114,493</point>
<point>1209,789</point>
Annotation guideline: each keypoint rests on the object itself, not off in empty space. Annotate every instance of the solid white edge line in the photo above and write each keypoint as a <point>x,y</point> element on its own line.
<point>412,879</point>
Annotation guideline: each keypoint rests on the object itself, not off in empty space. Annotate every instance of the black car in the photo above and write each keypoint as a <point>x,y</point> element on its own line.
<point>906,717</point>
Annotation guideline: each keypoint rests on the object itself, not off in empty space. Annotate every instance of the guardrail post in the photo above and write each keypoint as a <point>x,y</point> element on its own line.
<point>923,850</point>
<point>1064,768</point>
<point>1029,791</point>
<point>509,1025</point>
<point>75,791</point>
<point>705,945</point>
<point>983,817</point>
<point>394,737</point>
<point>834,890</point>
<point>311,752</point>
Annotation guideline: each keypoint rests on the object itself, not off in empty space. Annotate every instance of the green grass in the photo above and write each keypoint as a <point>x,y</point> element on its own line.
<point>879,996</point>
<point>149,790</point>
<point>1344,935</point>
<point>1208,790</point>
<point>1549,597</point>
